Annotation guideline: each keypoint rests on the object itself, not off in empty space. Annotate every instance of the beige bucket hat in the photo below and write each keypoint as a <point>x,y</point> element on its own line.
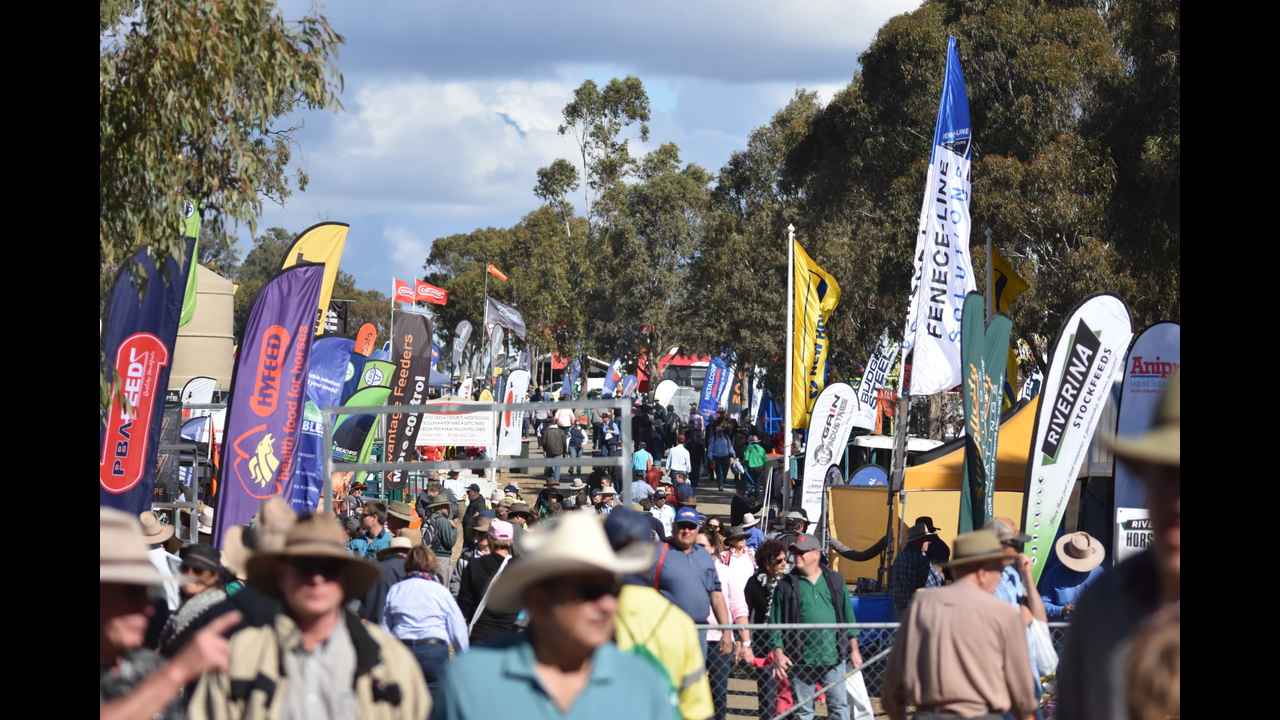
<point>122,551</point>
<point>154,532</point>
<point>569,543</point>
<point>1080,551</point>
<point>977,546</point>
<point>318,536</point>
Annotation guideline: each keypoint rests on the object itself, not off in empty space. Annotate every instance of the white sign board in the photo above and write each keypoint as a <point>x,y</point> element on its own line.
<point>464,429</point>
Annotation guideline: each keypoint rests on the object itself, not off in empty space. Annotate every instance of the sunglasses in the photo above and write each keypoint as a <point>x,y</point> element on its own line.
<point>187,569</point>
<point>328,568</point>
<point>592,591</point>
<point>779,560</point>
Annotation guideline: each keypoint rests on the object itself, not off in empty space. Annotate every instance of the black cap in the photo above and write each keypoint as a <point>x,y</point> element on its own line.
<point>201,556</point>
<point>474,486</point>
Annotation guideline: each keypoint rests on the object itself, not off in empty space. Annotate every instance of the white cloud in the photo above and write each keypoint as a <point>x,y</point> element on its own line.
<point>407,250</point>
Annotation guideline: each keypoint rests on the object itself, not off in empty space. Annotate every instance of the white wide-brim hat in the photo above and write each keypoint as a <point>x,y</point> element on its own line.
<point>571,543</point>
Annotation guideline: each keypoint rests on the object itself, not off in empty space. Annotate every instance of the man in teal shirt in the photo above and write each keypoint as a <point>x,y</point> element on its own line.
<point>641,461</point>
<point>565,666</point>
<point>811,594</point>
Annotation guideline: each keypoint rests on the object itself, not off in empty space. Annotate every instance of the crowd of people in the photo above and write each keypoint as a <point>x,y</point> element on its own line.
<point>571,604</point>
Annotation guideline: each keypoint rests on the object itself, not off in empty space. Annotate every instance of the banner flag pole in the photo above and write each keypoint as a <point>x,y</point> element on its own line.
<point>791,298</point>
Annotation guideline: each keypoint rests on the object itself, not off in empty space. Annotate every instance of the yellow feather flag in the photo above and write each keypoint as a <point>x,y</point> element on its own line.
<point>816,295</point>
<point>322,243</point>
<point>1006,283</point>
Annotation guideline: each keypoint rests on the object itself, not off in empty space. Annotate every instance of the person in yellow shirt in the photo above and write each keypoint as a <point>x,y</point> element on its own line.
<point>654,628</point>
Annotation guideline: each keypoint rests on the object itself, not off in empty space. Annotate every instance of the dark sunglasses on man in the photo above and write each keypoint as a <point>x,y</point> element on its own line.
<point>590,591</point>
<point>328,568</point>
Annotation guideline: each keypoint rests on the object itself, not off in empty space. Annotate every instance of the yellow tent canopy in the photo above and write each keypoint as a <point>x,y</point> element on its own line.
<point>944,471</point>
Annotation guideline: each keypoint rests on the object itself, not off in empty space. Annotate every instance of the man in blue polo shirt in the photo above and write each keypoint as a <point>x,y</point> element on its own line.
<point>686,575</point>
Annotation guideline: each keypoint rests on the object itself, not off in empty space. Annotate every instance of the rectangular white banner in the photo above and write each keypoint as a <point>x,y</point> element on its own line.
<point>462,429</point>
<point>1086,360</point>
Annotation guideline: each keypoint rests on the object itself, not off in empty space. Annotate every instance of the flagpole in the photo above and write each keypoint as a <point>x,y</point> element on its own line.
<point>391,323</point>
<point>990,281</point>
<point>791,298</point>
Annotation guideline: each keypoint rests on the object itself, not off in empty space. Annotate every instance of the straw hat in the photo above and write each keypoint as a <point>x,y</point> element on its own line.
<point>122,552</point>
<point>976,547</point>
<point>318,536</point>
<point>570,543</point>
<point>154,532</point>
<point>1080,551</point>
<point>398,543</point>
<point>749,520</point>
<point>235,556</point>
<point>1162,444</point>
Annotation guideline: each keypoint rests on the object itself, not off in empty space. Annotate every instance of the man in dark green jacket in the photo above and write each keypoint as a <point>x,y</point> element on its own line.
<point>811,594</point>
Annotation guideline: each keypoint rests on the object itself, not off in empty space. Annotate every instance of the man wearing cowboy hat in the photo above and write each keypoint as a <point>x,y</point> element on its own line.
<point>475,504</point>
<point>910,570</point>
<point>399,516</point>
<point>1079,558</point>
<point>440,534</point>
<point>156,534</point>
<point>134,682</point>
<point>315,660</point>
<point>390,571</point>
<point>960,651</point>
<point>435,488</point>
<point>1108,616</point>
<point>604,499</point>
<point>565,665</point>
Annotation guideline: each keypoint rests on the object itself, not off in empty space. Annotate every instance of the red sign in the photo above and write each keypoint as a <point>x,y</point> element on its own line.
<point>124,447</point>
<point>432,294</point>
<point>266,386</point>
<point>403,291</point>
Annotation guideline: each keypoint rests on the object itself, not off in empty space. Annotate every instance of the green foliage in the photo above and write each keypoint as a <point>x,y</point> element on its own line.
<point>261,264</point>
<point>189,97</point>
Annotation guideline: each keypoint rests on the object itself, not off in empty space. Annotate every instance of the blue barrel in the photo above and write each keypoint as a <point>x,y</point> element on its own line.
<point>873,608</point>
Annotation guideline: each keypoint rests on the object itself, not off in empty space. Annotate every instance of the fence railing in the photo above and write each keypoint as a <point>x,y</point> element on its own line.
<point>743,690</point>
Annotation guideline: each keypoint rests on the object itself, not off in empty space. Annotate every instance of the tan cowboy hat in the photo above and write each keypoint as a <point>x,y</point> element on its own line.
<point>154,532</point>
<point>1162,444</point>
<point>521,508</point>
<point>397,543</point>
<point>440,501</point>
<point>414,535</point>
<point>975,547</point>
<point>401,510</point>
<point>122,552</point>
<point>749,520</point>
<point>481,524</point>
<point>318,536</point>
<point>235,556</point>
<point>275,519</point>
<point>1080,551</point>
<point>569,543</point>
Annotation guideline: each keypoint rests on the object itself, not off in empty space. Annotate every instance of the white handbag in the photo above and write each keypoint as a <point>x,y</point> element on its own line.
<point>1040,645</point>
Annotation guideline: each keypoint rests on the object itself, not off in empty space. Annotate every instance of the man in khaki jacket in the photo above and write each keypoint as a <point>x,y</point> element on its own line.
<point>315,660</point>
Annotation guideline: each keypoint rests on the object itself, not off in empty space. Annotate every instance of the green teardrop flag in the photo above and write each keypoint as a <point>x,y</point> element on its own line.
<point>190,229</point>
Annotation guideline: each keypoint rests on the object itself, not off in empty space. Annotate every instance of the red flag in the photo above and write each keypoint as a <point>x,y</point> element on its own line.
<point>402,291</point>
<point>497,273</point>
<point>432,294</point>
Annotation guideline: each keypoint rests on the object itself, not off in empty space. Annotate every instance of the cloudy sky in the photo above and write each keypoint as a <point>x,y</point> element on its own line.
<point>451,107</point>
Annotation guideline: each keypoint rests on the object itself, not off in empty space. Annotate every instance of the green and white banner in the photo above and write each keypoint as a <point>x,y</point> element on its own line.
<point>984,353</point>
<point>1087,358</point>
<point>190,229</point>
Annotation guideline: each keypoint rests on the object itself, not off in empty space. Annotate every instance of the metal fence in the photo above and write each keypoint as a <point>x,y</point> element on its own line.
<point>743,690</point>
